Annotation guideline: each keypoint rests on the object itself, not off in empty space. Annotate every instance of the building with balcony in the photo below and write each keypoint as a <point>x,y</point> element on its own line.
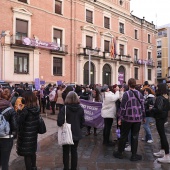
<point>82,41</point>
<point>163,53</point>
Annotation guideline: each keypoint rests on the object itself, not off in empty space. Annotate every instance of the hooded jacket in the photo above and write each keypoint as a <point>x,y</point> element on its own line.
<point>75,117</point>
<point>149,101</point>
<point>131,110</point>
<point>109,104</point>
<point>9,115</point>
<point>28,120</point>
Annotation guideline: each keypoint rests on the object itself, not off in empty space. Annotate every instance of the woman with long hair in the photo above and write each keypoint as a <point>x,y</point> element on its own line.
<point>28,119</point>
<point>160,110</point>
<point>6,142</point>
<point>94,97</point>
<point>74,116</point>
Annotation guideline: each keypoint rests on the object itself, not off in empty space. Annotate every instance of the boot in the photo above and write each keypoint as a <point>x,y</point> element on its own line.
<point>34,168</point>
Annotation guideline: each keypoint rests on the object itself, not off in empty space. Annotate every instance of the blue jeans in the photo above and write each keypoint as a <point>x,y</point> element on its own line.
<point>146,126</point>
<point>5,150</point>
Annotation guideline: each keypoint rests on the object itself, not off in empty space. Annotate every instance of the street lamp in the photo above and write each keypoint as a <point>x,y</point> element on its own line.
<point>1,36</point>
<point>91,52</point>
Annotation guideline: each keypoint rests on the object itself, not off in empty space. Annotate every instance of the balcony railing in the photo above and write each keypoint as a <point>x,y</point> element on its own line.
<point>26,42</point>
<point>142,62</point>
<point>103,54</point>
<point>62,49</point>
<point>126,58</point>
<point>16,40</point>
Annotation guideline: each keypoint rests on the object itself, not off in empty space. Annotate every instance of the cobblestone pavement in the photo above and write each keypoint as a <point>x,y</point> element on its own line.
<point>92,155</point>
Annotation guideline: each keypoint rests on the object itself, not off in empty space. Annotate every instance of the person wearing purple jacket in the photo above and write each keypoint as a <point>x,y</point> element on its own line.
<point>132,113</point>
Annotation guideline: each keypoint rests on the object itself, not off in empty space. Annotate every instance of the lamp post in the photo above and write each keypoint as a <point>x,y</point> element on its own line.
<point>91,52</point>
<point>1,36</point>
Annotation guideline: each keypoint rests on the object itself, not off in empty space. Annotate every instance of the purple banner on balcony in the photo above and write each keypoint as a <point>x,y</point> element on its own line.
<point>92,113</point>
<point>40,44</point>
<point>147,62</point>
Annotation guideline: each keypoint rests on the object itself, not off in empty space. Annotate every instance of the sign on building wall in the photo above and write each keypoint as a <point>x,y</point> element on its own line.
<point>120,78</point>
<point>40,44</point>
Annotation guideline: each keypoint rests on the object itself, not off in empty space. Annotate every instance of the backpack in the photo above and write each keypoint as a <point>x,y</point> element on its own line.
<point>4,125</point>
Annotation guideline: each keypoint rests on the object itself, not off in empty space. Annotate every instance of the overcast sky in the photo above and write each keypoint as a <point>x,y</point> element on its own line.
<point>157,11</point>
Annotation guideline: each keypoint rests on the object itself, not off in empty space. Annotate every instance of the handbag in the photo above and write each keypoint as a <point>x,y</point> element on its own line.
<point>41,126</point>
<point>65,134</point>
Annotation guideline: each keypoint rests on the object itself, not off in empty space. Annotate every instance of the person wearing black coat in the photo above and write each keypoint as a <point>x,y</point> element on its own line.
<point>6,142</point>
<point>74,116</point>
<point>28,119</point>
<point>160,111</point>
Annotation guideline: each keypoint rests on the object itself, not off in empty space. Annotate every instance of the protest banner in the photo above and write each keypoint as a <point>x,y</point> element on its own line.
<point>37,83</point>
<point>92,112</point>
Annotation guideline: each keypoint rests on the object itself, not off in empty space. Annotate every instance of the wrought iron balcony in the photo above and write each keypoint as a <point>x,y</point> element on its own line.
<point>26,42</point>
<point>126,58</point>
<point>143,62</point>
<point>16,40</point>
<point>62,49</point>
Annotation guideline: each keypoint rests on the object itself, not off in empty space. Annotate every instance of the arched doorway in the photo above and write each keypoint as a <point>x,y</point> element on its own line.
<point>86,73</point>
<point>107,74</point>
<point>121,75</point>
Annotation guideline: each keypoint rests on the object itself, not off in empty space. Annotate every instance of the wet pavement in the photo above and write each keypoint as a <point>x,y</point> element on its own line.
<point>93,155</point>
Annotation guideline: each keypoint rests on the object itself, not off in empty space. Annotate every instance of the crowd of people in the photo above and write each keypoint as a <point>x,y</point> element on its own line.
<point>131,106</point>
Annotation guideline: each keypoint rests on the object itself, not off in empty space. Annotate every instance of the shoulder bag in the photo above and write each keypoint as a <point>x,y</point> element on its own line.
<point>41,126</point>
<point>136,96</point>
<point>65,134</point>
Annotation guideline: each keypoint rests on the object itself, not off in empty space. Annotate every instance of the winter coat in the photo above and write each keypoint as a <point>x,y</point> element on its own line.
<point>149,102</point>
<point>9,115</point>
<point>74,116</point>
<point>131,110</point>
<point>161,107</point>
<point>27,131</point>
<point>108,106</point>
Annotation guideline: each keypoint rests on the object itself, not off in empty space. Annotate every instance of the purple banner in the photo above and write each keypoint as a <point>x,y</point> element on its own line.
<point>120,78</point>
<point>37,83</point>
<point>147,62</point>
<point>59,83</point>
<point>41,44</point>
<point>92,112</point>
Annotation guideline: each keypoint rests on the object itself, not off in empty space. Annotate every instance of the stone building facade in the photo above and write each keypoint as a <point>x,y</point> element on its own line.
<point>71,41</point>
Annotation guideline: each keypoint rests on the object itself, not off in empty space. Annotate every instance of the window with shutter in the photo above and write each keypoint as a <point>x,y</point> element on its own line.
<point>89,42</point>
<point>21,30</point>
<point>58,7</point>
<point>106,22</point>
<point>89,16</point>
